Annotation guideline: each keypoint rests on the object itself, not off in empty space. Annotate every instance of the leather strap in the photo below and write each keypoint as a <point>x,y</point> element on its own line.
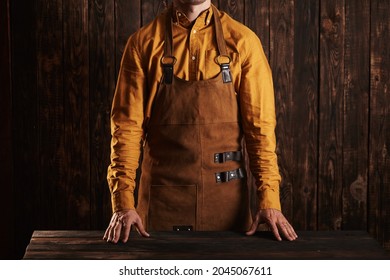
<point>219,32</point>
<point>227,156</point>
<point>168,45</point>
<point>223,177</point>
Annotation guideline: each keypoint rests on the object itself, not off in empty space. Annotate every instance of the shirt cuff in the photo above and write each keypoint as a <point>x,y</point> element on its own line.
<point>123,200</point>
<point>269,198</point>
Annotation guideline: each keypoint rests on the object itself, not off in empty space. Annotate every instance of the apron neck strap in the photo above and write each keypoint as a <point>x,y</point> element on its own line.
<point>168,45</point>
<point>219,32</point>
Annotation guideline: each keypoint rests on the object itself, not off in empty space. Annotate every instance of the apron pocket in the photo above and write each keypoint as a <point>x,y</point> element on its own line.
<point>171,207</point>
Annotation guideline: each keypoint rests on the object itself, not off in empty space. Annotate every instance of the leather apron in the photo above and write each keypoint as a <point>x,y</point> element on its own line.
<point>192,169</point>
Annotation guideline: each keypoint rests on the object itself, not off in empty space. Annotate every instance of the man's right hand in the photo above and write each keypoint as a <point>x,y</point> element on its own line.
<point>120,226</point>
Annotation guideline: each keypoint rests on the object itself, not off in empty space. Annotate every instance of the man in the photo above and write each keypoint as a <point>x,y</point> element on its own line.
<point>192,83</point>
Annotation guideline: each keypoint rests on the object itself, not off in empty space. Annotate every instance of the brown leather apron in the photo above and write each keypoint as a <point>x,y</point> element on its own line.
<point>192,170</point>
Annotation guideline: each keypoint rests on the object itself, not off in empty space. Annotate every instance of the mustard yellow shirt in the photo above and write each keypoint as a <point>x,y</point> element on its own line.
<point>195,49</point>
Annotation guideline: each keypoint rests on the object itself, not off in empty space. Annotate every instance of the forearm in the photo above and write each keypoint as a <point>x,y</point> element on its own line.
<point>264,168</point>
<point>125,153</point>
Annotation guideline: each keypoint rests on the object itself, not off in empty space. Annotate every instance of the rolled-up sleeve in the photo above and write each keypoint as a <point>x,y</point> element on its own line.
<point>127,115</point>
<point>258,118</point>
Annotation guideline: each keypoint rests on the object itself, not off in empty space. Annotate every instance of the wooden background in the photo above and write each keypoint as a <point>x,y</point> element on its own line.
<point>331,67</point>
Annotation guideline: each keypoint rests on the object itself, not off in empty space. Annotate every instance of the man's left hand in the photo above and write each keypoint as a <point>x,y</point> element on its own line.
<point>276,222</point>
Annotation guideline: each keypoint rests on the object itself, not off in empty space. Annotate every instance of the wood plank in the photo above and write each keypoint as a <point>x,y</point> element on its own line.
<point>76,181</point>
<point>355,122</point>
<point>150,9</point>
<point>127,21</point>
<point>6,162</point>
<point>234,8</point>
<point>102,85</point>
<point>282,65</point>
<point>205,245</point>
<point>25,122</point>
<point>257,19</point>
<point>379,175</point>
<point>331,115</point>
<point>52,165</point>
<point>304,113</point>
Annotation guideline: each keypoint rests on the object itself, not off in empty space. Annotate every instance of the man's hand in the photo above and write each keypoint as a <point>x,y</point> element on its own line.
<point>120,225</point>
<point>276,222</point>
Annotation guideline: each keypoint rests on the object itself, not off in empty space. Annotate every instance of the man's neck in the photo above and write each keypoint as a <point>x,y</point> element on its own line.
<point>192,11</point>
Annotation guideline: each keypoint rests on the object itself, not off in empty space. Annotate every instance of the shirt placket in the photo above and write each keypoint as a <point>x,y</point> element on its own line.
<point>194,54</point>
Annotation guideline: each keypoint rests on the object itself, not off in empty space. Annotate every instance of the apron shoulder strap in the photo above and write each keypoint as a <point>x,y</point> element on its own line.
<point>219,32</point>
<point>223,59</point>
<point>168,60</point>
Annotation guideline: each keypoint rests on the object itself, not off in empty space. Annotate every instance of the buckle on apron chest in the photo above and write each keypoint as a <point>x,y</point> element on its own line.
<point>167,63</point>
<point>226,75</point>
<point>224,62</point>
<point>226,176</point>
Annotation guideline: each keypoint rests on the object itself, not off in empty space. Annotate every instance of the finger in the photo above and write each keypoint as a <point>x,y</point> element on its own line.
<point>295,234</point>
<point>115,232</point>
<point>141,231</point>
<point>283,229</point>
<point>105,236</point>
<point>125,232</point>
<point>275,231</point>
<point>293,231</point>
<point>289,232</point>
<point>140,228</point>
<point>109,228</point>
<point>110,233</point>
<point>254,225</point>
<point>118,231</point>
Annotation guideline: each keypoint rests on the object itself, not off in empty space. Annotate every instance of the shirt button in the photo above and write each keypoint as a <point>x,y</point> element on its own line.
<point>194,31</point>
<point>179,14</point>
<point>193,57</point>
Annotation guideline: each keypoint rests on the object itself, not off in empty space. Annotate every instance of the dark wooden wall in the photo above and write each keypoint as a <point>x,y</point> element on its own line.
<point>6,166</point>
<point>331,67</point>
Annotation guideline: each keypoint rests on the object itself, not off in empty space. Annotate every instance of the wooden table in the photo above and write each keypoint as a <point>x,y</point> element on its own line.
<point>205,245</point>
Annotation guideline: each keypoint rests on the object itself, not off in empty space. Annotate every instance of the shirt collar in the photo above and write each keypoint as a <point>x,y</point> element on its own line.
<point>203,19</point>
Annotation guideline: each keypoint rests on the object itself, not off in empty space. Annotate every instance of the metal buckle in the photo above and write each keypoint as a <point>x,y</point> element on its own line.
<point>226,176</point>
<point>227,156</point>
<point>224,61</point>
<point>167,63</point>
<point>226,74</point>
